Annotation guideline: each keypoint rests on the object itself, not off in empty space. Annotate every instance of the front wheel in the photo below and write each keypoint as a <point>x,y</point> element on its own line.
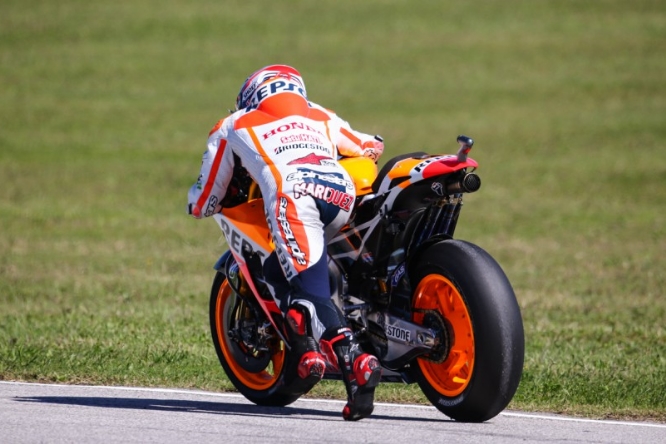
<point>253,357</point>
<point>461,292</point>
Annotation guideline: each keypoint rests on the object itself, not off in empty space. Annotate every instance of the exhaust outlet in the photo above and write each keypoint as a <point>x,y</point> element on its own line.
<point>470,183</point>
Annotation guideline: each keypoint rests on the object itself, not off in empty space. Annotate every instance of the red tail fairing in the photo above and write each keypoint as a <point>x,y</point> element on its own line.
<point>436,166</point>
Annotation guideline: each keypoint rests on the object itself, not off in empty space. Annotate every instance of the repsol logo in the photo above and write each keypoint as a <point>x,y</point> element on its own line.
<point>279,86</point>
<point>418,168</point>
<point>395,332</point>
<point>289,127</point>
<point>237,242</point>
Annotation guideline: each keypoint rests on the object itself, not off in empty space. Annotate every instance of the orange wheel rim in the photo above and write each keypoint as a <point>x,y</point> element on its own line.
<point>437,293</point>
<point>261,380</point>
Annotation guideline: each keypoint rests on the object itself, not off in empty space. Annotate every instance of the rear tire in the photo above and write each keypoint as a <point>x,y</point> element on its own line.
<point>460,289</point>
<point>261,376</point>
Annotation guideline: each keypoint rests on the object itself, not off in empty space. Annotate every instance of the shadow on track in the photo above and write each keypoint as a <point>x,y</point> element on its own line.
<point>175,405</point>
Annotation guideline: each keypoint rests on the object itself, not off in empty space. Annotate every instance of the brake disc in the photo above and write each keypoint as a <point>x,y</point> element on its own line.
<point>247,344</point>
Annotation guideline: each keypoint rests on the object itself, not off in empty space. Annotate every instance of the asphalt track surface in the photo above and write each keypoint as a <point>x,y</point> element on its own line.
<point>44,413</point>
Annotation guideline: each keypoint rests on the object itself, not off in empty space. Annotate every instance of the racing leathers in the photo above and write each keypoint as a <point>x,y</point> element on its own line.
<point>290,147</point>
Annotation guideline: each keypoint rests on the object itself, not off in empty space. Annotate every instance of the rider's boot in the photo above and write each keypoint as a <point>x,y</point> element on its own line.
<point>311,364</point>
<point>361,371</point>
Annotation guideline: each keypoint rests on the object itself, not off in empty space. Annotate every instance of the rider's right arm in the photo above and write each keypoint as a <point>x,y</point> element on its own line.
<point>205,196</point>
<point>352,143</point>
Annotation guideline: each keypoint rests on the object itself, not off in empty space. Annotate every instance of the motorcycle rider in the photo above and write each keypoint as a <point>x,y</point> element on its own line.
<point>290,147</point>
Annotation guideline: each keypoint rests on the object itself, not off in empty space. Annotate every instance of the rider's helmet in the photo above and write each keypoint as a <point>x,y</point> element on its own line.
<point>256,79</point>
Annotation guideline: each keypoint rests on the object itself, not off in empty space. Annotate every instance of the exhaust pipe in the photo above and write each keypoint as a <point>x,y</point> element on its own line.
<point>470,183</point>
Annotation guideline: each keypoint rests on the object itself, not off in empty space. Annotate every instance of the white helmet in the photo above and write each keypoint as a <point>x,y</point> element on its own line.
<point>256,79</point>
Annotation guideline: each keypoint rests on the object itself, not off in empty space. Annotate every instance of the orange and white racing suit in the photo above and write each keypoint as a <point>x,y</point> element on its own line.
<point>289,146</point>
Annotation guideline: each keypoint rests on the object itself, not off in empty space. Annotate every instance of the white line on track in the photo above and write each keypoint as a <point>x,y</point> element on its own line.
<point>415,406</point>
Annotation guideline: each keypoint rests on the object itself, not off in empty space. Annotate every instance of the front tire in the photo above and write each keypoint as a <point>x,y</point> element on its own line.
<point>462,291</point>
<point>259,375</point>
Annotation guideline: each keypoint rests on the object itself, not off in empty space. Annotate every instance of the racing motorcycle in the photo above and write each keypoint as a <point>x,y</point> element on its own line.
<point>436,311</point>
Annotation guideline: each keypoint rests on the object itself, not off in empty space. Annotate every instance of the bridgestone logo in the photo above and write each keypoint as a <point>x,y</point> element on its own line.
<point>295,146</point>
<point>398,333</point>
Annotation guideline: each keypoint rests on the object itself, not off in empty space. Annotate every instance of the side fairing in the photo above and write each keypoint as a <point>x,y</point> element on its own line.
<point>250,243</point>
<point>245,230</point>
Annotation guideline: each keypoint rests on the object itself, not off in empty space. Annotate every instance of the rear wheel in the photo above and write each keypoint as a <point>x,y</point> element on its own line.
<point>253,356</point>
<point>462,293</point>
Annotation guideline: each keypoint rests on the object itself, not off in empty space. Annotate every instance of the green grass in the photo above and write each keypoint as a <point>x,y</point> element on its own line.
<point>104,111</point>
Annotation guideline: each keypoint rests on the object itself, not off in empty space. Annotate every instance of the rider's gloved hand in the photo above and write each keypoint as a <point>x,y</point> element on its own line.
<point>373,148</point>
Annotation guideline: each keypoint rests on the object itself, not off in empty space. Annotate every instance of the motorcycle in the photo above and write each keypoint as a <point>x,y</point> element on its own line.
<point>436,311</point>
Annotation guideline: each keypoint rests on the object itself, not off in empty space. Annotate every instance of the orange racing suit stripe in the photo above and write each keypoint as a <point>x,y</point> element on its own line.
<point>212,175</point>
